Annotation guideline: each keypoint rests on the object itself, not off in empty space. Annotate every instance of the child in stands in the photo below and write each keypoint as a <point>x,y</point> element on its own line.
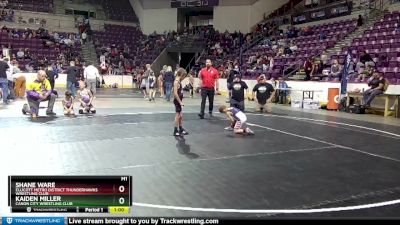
<point>238,120</point>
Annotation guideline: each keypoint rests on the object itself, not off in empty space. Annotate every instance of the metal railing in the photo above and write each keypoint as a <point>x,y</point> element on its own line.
<point>296,66</point>
<point>188,67</point>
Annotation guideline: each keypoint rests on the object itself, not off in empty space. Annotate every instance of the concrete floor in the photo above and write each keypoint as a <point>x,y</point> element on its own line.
<point>298,159</point>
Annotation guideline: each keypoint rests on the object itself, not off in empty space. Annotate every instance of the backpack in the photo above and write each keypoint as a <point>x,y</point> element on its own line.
<point>342,104</point>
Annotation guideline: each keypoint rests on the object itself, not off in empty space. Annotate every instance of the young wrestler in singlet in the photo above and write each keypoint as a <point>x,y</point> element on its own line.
<point>238,120</point>
<point>178,102</point>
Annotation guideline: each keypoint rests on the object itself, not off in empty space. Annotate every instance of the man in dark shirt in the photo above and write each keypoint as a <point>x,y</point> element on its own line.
<point>239,89</point>
<point>72,74</point>
<point>229,81</point>
<point>365,60</point>
<point>359,21</point>
<point>3,80</point>
<point>377,85</point>
<point>264,92</point>
<point>51,76</point>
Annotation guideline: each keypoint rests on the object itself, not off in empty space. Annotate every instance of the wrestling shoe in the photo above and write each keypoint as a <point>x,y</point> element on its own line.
<point>249,131</point>
<point>183,132</point>
<point>176,133</point>
<point>229,128</point>
<point>51,113</point>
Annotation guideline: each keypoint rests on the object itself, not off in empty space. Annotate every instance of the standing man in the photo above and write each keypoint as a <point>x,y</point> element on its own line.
<point>91,74</point>
<point>168,81</point>
<point>238,89</point>
<point>72,74</point>
<point>10,78</point>
<point>3,80</point>
<point>208,82</point>
<point>51,76</point>
<point>264,92</point>
<point>231,76</point>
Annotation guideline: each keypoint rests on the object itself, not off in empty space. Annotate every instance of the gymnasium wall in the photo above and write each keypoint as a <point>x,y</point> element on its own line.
<point>155,19</point>
<point>243,17</point>
<point>232,18</point>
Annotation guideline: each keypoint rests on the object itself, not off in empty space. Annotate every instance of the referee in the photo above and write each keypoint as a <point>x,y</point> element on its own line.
<point>208,81</point>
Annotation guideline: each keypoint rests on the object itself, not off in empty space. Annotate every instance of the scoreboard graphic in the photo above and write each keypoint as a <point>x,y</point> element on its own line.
<point>70,194</point>
<point>193,3</point>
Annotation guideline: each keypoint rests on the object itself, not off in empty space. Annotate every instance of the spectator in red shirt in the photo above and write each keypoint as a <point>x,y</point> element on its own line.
<point>209,83</point>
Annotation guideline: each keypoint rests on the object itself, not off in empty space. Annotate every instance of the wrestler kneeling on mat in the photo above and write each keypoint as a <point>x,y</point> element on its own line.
<point>238,120</point>
<point>178,97</point>
<point>85,97</point>
<point>68,104</point>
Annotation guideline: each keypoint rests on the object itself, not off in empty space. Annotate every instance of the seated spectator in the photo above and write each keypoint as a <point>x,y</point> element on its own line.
<point>324,58</point>
<point>280,52</point>
<point>271,62</point>
<point>20,54</point>
<point>365,60</point>
<point>367,73</point>
<point>322,35</point>
<point>317,68</point>
<point>397,28</point>
<point>84,37</point>
<point>282,93</point>
<point>377,86</point>
<point>293,47</point>
<point>265,66</point>
<point>287,51</point>
<point>336,70</point>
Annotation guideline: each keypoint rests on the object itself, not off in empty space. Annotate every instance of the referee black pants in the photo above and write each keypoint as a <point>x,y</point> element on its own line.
<point>207,92</point>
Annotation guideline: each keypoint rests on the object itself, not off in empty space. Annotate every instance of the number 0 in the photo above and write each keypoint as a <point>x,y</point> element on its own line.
<point>121,189</point>
<point>121,201</point>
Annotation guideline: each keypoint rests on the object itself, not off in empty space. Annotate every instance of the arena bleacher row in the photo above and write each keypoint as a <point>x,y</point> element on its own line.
<point>42,46</point>
<point>127,45</point>
<point>32,5</point>
<point>382,42</point>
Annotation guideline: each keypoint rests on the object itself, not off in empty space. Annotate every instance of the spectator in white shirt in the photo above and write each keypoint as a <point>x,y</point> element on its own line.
<point>102,59</point>
<point>293,47</point>
<point>6,52</point>
<point>91,74</point>
<point>84,37</point>
<point>20,54</point>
